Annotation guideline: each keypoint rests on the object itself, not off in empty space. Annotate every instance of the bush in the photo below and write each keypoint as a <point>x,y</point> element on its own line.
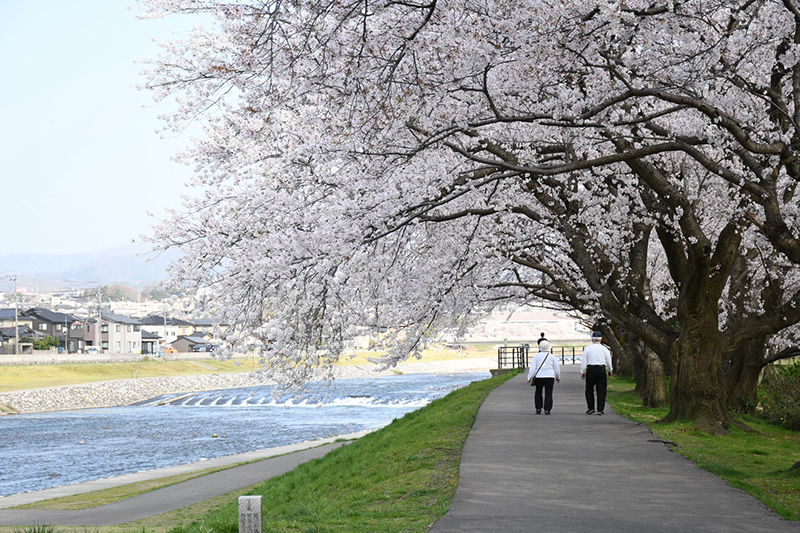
<point>46,343</point>
<point>779,395</point>
<point>42,344</point>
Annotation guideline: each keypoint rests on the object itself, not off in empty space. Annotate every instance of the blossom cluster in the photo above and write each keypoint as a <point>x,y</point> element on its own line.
<point>396,167</point>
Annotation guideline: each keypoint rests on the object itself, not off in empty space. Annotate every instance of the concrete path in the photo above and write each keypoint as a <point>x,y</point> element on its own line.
<point>278,461</point>
<point>572,472</point>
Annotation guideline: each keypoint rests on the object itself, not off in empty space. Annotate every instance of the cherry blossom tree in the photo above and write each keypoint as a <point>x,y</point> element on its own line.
<point>397,165</point>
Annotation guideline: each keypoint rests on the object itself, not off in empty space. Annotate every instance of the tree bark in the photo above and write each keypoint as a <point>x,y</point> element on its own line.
<point>655,393</point>
<point>633,349</point>
<point>697,390</point>
<point>618,356</point>
<point>742,371</point>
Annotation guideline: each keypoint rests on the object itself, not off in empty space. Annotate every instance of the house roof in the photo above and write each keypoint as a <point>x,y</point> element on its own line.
<point>120,319</point>
<point>156,320</point>
<point>47,315</point>
<point>8,314</point>
<point>148,335</point>
<point>194,339</point>
<point>202,322</point>
<point>23,331</point>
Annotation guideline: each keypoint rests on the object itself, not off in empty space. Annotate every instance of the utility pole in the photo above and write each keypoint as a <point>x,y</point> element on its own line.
<point>13,277</point>
<point>16,319</point>
<point>98,337</point>
<point>165,330</point>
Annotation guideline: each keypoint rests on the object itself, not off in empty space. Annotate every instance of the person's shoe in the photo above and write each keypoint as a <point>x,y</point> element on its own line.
<point>599,412</point>
<point>538,411</point>
<point>590,411</point>
<point>547,412</point>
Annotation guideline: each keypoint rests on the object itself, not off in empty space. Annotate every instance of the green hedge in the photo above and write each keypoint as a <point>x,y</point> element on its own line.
<point>779,395</point>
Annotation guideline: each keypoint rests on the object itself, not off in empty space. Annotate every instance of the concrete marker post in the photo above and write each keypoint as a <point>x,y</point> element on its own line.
<point>250,514</point>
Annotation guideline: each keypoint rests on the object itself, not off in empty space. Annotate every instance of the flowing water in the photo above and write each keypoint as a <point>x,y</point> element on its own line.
<point>43,450</point>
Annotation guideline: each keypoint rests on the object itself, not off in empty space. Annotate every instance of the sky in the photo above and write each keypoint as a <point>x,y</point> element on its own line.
<point>81,162</point>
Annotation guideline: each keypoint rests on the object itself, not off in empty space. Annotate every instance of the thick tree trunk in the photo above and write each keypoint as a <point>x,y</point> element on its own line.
<point>655,393</point>
<point>615,340</point>
<point>742,371</point>
<point>697,390</point>
<point>646,369</point>
<point>634,354</point>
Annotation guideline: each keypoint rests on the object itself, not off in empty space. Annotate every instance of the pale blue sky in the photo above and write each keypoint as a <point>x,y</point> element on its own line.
<point>80,162</point>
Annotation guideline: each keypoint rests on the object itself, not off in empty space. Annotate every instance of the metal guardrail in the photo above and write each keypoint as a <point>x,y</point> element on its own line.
<point>519,356</point>
<point>513,356</point>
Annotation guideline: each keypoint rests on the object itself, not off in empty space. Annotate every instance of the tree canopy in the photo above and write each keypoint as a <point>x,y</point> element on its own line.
<point>395,166</point>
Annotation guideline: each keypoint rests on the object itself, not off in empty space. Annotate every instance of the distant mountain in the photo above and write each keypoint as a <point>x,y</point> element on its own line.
<point>132,265</point>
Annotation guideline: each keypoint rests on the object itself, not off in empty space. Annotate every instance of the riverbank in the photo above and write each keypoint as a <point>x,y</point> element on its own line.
<point>115,393</point>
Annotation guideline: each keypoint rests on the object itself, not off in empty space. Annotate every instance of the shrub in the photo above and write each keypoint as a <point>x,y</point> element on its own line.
<point>42,344</point>
<point>46,343</point>
<point>779,395</point>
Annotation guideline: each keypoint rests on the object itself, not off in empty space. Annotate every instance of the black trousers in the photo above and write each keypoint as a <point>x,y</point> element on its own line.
<point>546,384</point>
<point>596,379</point>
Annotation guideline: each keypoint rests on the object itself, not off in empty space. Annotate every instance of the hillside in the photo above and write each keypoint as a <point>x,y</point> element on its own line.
<point>132,265</point>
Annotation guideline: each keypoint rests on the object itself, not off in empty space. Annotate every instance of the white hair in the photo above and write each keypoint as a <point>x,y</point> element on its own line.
<point>544,346</point>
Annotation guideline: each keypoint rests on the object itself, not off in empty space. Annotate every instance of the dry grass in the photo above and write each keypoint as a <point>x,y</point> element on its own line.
<point>14,378</point>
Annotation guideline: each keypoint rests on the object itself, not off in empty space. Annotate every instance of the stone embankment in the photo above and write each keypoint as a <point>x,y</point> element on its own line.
<point>129,391</point>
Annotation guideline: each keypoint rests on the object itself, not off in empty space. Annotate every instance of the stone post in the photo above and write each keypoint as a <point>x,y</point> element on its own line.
<point>250,514</point>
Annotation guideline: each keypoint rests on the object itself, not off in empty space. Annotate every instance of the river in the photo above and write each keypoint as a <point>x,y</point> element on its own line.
<point>44,450</point>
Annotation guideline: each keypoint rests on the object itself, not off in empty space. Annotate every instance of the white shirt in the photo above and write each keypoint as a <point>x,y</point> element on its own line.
<point>550,368</point>
<point>596,354</point>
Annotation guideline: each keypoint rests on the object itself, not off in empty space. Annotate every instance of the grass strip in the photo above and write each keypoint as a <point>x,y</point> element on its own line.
<point>22,377</point>
<point>759,462</point>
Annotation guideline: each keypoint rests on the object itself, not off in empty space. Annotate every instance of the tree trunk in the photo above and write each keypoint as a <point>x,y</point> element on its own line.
<point>615,341</point>
<point>655,393</point>
<point>697,390</point>
<point>646,369</point>
<point>634,356</point>
<point>742,371</point>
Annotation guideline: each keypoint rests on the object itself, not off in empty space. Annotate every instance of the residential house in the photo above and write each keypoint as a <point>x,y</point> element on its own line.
<point>167,328</point>
<point>10,317</point>
<point>150,341</point>
<point>9,336</point>
<point>193,343</point>
<point>117,334</point>
<point>67,328</point>
<point>202,325</point>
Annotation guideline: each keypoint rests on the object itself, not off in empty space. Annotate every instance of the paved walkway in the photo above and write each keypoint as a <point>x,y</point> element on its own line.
<point>278,461</point>
<point>567,472</point>
<point>572,472</point>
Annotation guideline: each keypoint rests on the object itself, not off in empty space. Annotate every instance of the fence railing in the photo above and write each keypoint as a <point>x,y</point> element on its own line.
<point>513,356</point>
<point>519,356</point>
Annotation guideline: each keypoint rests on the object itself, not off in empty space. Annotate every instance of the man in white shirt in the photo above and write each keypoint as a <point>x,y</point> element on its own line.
<point>595,369</point>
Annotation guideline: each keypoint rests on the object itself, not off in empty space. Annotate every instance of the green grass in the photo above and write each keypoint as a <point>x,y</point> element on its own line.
<point>758,461</point>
